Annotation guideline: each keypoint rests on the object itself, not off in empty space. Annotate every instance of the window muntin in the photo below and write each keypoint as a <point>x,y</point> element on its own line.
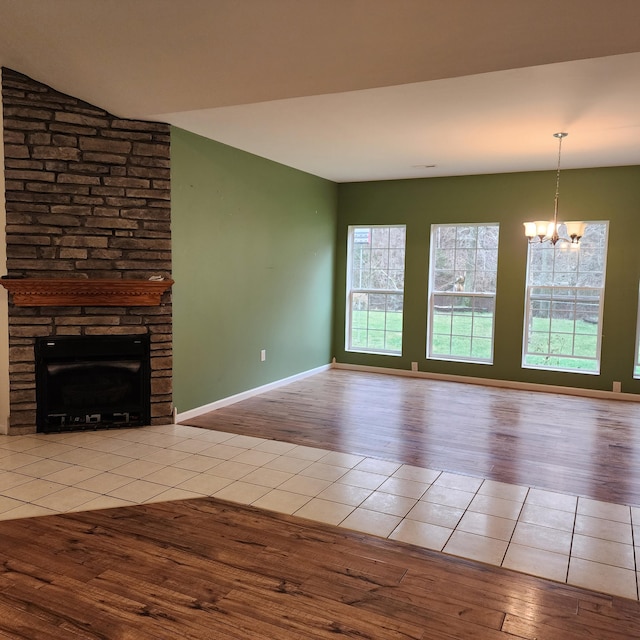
<point>375,289</point>
<point>462,290</point>
<point>564,303</point>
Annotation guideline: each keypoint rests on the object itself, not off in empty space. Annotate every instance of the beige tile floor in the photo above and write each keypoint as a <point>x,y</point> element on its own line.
<point>565,538</point>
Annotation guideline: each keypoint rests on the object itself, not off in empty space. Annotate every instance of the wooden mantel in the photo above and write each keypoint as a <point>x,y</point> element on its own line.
<point>77,292</point>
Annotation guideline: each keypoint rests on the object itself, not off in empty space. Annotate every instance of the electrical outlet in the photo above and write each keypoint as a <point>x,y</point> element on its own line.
<point>414,366</point>
<point>617,387</point>
<point>263,355</point>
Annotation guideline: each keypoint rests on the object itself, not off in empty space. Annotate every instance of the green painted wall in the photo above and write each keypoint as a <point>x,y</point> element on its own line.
<point>254,249</point>
<point>611,194</point>
<point>253,263</point>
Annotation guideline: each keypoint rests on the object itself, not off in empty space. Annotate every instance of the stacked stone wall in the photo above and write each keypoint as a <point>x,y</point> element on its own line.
<point>88,195</point>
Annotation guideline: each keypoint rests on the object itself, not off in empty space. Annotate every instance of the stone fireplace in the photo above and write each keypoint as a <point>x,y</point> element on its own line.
<point>87,200</point>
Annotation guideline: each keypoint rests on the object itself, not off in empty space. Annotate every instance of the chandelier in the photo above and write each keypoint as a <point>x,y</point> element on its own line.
<point>549,231</point>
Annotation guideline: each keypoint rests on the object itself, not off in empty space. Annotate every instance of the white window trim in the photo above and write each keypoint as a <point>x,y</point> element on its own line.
<point>351,291</point>
<point>432,294</point>
<point>636,363</point>
<point>527,302</point>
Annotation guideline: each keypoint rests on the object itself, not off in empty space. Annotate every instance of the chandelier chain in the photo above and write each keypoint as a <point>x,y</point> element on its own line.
<point>557,196</point>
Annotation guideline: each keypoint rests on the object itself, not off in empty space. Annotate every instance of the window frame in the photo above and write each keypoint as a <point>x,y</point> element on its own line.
<point>431,354</point>
<point>636,364</point>
<point>351,290</point>
<point>551,298</point>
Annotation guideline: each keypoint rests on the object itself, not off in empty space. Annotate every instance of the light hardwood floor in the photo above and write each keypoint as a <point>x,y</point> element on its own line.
<point>583,446</point>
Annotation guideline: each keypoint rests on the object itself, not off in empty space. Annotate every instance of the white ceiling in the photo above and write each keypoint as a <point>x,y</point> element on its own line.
<point>354,90</point>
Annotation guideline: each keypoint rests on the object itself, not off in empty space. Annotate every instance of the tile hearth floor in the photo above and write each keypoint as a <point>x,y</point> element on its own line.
<point>568,539</point>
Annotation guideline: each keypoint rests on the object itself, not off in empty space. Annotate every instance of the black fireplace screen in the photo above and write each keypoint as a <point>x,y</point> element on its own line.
<point>92,382</point>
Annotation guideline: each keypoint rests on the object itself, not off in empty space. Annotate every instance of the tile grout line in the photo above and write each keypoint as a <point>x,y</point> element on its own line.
<point>573,533</point>
<point>454,528</point>
<point>524,501</point>
<point>635,554</point>
<point>464,512</point>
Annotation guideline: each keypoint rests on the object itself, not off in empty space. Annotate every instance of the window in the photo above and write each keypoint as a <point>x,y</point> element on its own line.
<point>636,366</point>
<point>564,296</point>
<point>462,291</point>
<point>375,289</point>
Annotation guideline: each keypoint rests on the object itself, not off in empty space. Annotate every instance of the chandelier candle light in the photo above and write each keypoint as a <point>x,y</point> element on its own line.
<point>546,231</point>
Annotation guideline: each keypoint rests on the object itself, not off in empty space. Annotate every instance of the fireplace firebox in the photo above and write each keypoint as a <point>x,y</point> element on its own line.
<point>92,382</point>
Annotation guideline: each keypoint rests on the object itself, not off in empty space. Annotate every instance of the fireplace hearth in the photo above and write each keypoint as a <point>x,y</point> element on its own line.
<point>92,382</point>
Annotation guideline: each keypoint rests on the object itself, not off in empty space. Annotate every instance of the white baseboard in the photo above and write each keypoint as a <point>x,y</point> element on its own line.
<point>490,382</point>
<point>225,402</point>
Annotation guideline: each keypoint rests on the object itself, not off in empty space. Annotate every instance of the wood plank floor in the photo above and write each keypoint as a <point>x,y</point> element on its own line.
<point>205,569</point>
<point>582,446</point>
